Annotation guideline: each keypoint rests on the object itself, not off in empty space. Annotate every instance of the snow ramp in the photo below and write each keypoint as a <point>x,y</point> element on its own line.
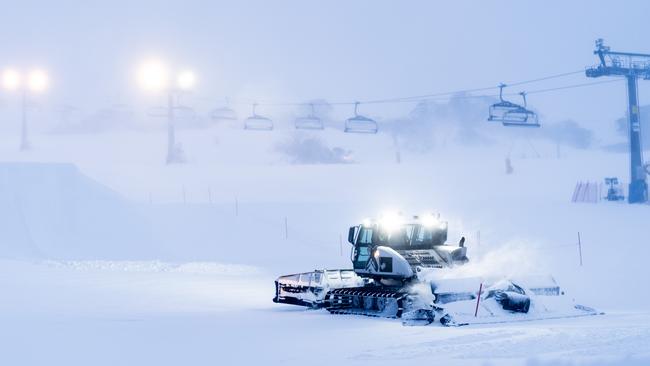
<point>54,211</point>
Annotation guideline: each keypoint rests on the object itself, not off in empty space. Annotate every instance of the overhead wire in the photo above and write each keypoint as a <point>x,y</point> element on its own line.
<point>574,86</point>
<point>464,91</point>
<point>544,78</point>
<point>456,94</point>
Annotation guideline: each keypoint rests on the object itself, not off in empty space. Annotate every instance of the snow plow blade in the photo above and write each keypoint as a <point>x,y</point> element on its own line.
<point>419,317</point>
<point>309,288</point>
<point>501,301</point>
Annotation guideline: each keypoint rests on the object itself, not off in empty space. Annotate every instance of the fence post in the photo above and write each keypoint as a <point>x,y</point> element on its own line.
<point>580,248</point>
<point>478,299</point>
<point>286,228</point>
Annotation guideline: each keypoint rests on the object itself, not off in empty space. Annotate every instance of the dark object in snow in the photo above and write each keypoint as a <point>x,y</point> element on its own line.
<point>614,191</point>
<point>509,168</point>
<point>448,321</point>
<point>418,317</point>
<point>311,150</point>
<point>510,296</point>
<point>513,301</point>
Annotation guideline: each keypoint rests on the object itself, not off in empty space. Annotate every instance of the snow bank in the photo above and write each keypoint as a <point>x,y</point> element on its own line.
<point>54,211</point>
<point>612,362</point>
<point>156,266</point>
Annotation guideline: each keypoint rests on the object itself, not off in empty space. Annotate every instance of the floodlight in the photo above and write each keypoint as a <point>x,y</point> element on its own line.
<point>10,79</point>
<point>186,80</point>
<point>37,80</point>
<point>153,75</point>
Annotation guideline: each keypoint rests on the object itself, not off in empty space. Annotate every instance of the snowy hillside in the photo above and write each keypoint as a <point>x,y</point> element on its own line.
<point>133,262</point>
<point>368,182</point>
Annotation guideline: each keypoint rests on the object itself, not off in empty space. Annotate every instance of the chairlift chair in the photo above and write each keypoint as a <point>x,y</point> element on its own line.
<point>65,113</point>
<point>122,109</point>
<point>498,110</point>
<point>310,121</point>
<point>258,122</point>
<point>512,114</point>
<point>224,113</point>
<point>184,113</point>
<point>521,117</point>
<point>158,112</point>
<point>360,123</point>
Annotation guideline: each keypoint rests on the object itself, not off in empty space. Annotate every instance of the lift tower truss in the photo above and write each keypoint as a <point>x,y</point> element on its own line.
<point>632,66</point>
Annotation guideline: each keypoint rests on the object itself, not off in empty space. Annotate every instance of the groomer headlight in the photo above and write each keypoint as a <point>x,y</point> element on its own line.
<point>391,221</point>
<point>430,220</point>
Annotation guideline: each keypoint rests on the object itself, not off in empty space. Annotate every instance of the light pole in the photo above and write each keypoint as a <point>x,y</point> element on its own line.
<point>154,76</point>
<point>36,82</point>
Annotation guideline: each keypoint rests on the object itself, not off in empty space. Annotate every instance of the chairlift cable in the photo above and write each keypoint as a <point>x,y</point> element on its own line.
<point>539,91</point>
<point>457,94</point>
<point>546,78</point>
<point>427,96</point>
<point>478,96</point>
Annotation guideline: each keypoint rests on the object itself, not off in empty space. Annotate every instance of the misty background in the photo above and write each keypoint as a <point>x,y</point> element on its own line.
<point>105,247</point>
<point>292,51</point>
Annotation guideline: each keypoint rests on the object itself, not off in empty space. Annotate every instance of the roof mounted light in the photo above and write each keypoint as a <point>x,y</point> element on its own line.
<point>391,221</point>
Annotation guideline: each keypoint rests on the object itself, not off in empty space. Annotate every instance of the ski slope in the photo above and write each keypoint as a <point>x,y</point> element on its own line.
<point>148,313</point>
<point>111,257</point>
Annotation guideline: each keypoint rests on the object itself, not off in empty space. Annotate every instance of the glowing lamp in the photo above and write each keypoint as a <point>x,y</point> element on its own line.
<point>10,79</point>
<point>186,80</point>
<point>153,75</point>
<point>37,81</point>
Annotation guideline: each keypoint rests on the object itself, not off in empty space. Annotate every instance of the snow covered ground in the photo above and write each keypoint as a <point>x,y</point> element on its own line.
<point>141,263</point>
<point>154,313</point>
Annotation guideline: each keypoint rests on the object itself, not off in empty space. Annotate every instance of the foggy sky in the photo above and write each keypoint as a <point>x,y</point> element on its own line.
<point>339,50</point>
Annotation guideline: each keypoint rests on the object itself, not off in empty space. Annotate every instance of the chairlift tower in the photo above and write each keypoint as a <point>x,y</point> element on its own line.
<point>171,133</point>
<point>632,66</point>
